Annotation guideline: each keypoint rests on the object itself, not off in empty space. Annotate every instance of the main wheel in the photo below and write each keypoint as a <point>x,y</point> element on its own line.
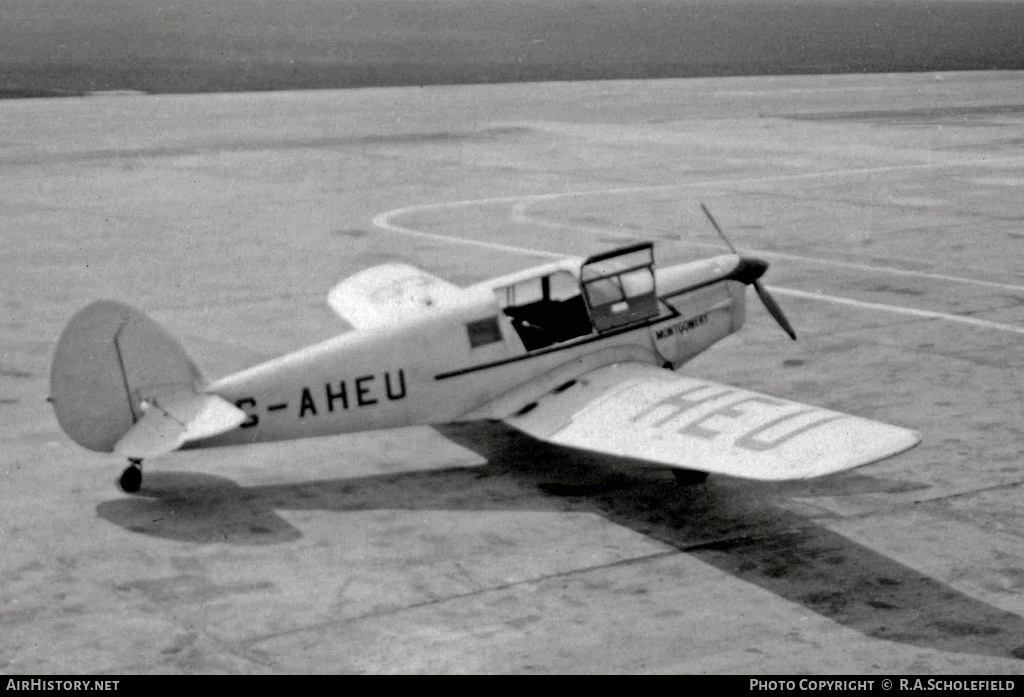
<point>131,478</point>
<point>689,477</point>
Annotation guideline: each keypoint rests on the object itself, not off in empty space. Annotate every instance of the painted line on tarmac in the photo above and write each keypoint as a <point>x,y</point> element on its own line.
<point>927,314</point>
<point>383,220</point>
<point>893,271</point>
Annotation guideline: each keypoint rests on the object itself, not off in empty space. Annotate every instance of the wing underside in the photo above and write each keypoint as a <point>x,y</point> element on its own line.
<point>643,412</point>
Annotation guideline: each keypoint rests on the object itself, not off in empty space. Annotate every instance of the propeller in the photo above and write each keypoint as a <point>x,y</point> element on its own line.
<point>769,302</point>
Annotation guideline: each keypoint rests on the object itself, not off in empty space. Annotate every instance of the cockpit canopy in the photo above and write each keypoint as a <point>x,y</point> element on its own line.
<point>614,289</point>
<point>619,286</point>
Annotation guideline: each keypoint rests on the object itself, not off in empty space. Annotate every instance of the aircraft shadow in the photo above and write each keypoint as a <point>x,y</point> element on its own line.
<point>732,525</point>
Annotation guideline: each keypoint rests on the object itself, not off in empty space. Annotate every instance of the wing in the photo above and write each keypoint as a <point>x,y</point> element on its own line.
<point>640,411</point>
<point>389,292</point>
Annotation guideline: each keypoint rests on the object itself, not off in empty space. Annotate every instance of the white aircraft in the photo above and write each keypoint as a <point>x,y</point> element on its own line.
<point>578,352</point>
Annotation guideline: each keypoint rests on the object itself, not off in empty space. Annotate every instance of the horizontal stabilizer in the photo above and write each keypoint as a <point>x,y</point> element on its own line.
<point>388,293</point>
<point>643,412</point>
<point>171,420</point>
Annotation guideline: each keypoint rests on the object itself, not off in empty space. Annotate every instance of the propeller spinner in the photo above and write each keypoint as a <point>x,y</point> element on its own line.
<point>756,268</point>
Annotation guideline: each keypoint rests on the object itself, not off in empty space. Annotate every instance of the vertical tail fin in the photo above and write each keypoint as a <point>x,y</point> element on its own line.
<point>111,365</point>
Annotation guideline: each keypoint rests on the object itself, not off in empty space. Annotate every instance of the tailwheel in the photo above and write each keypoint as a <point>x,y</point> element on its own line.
<point>686,477</point>
<point>131,478</point>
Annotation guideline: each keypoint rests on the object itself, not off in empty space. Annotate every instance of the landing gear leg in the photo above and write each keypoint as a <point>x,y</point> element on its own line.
<point>689,477</point>
<point>131,478</point>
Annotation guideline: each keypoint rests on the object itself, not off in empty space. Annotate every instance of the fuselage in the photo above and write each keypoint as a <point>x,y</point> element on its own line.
<point>484,354</point>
